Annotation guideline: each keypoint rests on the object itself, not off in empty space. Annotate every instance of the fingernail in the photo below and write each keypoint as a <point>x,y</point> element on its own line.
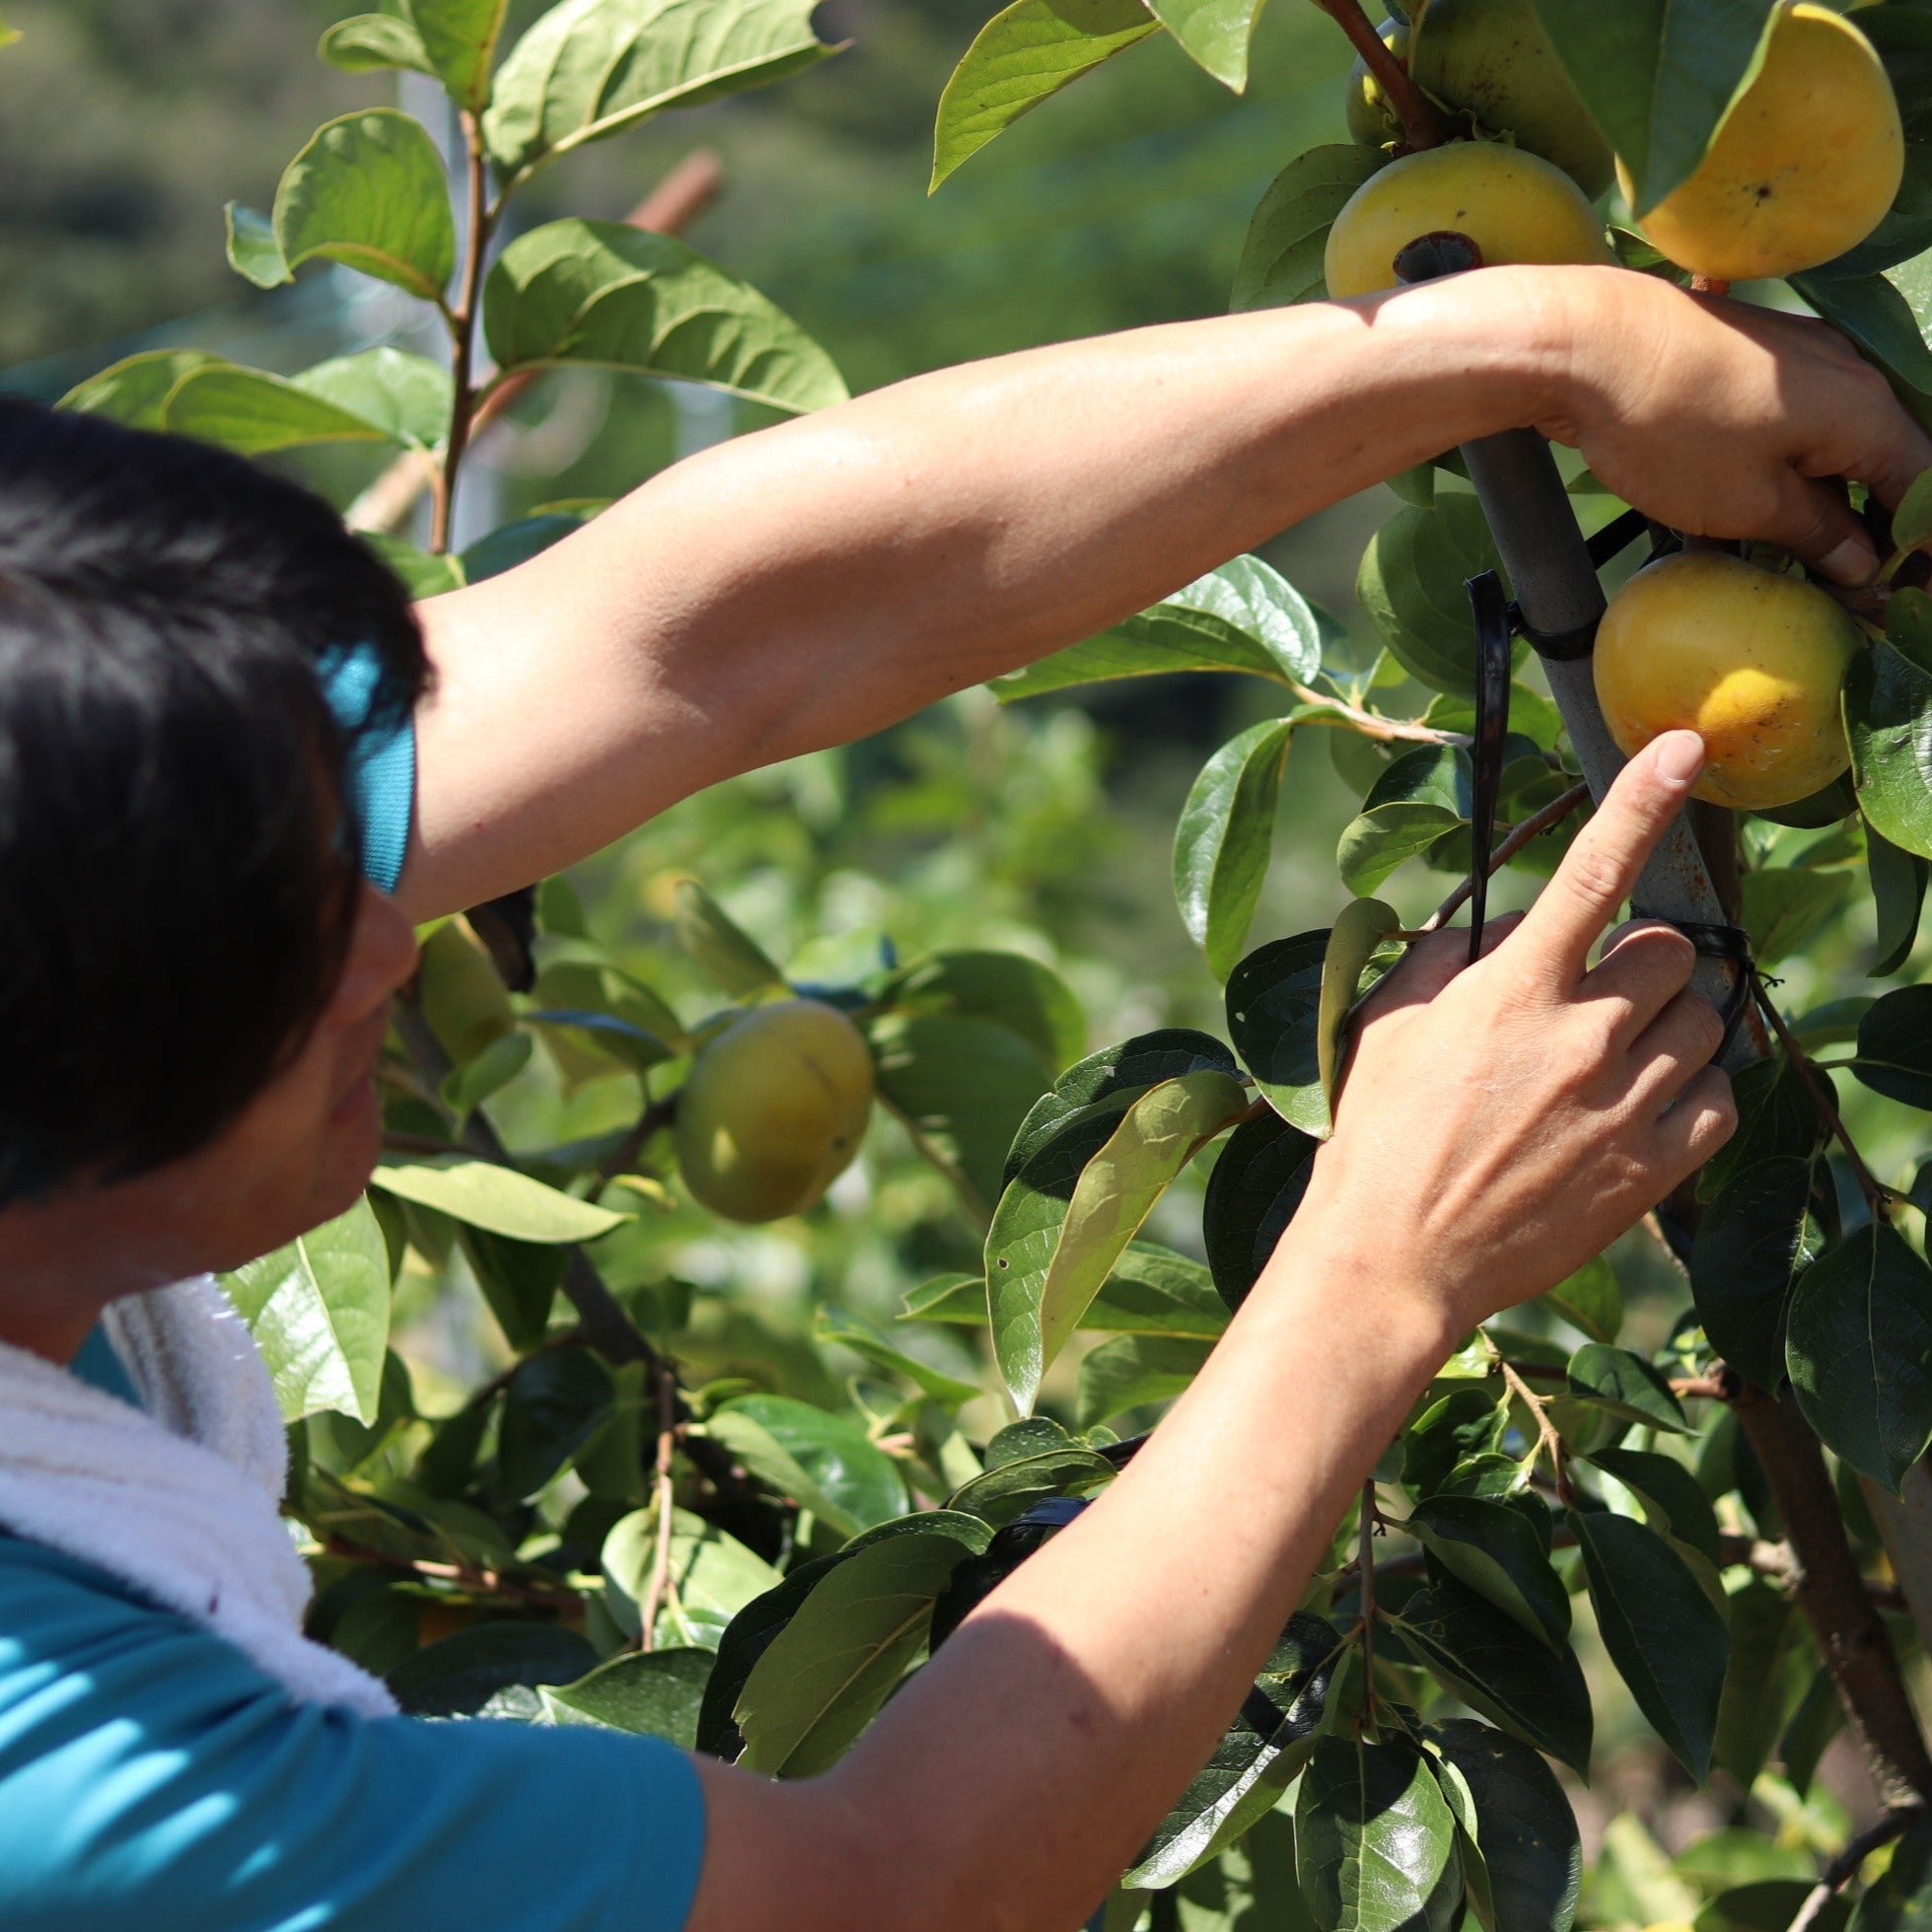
<point>1852,563</point>
<point>1680,757</point>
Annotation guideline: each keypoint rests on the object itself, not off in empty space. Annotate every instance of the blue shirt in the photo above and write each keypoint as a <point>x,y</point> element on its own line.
<point>152,1777</point>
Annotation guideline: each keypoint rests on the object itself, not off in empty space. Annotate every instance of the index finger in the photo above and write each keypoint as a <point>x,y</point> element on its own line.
<point>1602,866</point>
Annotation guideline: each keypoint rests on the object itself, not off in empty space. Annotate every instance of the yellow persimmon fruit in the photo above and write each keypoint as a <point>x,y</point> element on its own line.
<point>775,1110</point>
<point>1493,59</point>
<point>1514,205</point>
<point>1805,166</point>
<point>1372,121</point>
<point>1751,660</point>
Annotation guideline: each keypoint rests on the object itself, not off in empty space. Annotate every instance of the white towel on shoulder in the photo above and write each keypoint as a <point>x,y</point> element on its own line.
<point>182,1502</point>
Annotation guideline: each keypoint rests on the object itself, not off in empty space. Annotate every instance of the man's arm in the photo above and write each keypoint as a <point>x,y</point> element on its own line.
<point>1500,1125</point>
<point>820,580</point>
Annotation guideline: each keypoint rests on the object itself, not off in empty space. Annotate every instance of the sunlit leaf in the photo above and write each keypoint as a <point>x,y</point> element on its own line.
<point>1281,259</point>
<point>1225,834</point>
<point>496,1198</point>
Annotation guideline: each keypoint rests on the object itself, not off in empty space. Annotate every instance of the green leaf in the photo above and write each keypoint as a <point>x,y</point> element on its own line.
<point>405,397</point>
<point>1009,1489</point>
<point>1107,1083</point>
<point>1899,880</point>
<point>1859,1353</point>
<point>1751,1712</point>
<point>1785,909</point>
<point>253,413</point>
<point>1214,33</point>
<point>1911,522</point>
<point>1497,1554</point>
<point>1624,1383</point>
<point>1464,1423</point>
<point>1673,1503</point>
<point>1752,1244</point>
<point>458,1675</point>
<point>1358,933</point>
<point>616,297</point>
<point>1154,1291</point>
<point>1498,1669</point>
<point>459,38</point>
<point>1281,256</point>
<point>1591,1299</point>
<point>956,1299</point>
<point>421,573</point>
<point>1261,1753</point>
<point>1132,1371</point>
<point>655,1695</point>
<point>253,250</point>
<point>1244,617</point>
<point>1225,834</point>
<point>1061,1224</point>
<point>1021,58</point>
<point>823,1463</point>
<point>1880,320</point>
<point>1888,719</point>
<point>1526,1832</point>
<point>319,1310</point>
<point>1894,1047</point>
<point>1258,1183</point>
<point>747,1636</point>
<point>1274,1018</point>
<point>1776,1115</point>
<point>496,1198</point>
<point>1410,584</point>
<point>519,1279</point>
<point>1375,842</point>
<point>1022,995</point>
<point>591,68</point>
<point>556,1405</point>
<point>517,543</point>
<point>728,955</point>
<point>1658,76</point>
<point>963,1084</point>
<point>1666,1637</point>
<point>370,44</point>
<point>135,389</point>
<point>823,1678</point>
<point>848,1330</point>
<point>715,1576</point>
<point>1376,1847</point>
<point>369,191</point>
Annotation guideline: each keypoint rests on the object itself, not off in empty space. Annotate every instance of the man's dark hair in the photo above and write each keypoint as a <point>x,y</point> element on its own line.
<point>177,882</point>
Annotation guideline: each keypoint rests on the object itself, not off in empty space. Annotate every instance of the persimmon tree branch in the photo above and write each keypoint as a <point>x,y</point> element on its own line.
<point>463,334</point>
<point>1533,827</point>
<point>1421,125</point>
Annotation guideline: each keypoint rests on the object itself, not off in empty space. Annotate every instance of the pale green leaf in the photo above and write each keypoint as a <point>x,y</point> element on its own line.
<point>498,1199</point>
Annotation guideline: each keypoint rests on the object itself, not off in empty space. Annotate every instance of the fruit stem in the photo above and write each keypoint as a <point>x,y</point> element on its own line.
<point>1421,125</point>
<point>1709,285</point>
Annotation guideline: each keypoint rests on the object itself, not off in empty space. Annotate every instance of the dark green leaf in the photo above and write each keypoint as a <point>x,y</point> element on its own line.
<point>1497,1554</point>
<point>657,1696</point>
<point>1019,993</point>
<point>1274,1013</point>
<point>1859,1353</point>
<point>1673,1501</point>
<point>1900,1901</point>
<point>555,1404</point>
<point>1658,76</point>
<point>1624,1383</point>
<point>1818,1718</point>
<point>1258,1183</point>
<point>1753,1242</point>
<point>1526,1830</point>
<point>1465,1422</point>
<point>1768,1906</point>
<point>591,68</point>
<point>1222,841</point>
<point>519,1280</point>
<point>1894,1047</point>
<point>1019,58</point>
<point>369,191</point>
<point>1897,880</point>
<point>1154,1291</point>
<point>1878,318</point>
<point>1888,719</point>
<point>1497,1668</point>
<point>1376,1847</point>
<point>1666,1637</point>
<point>517,543</point>
<point>1263,1749</point>
<point>745,1639</point>
<point>1375,842</point>
<point>1008,1489</point>
<point>1590,1300</point>
<point>1753,1710</point>
<point>822,1680</point>
<point>1785,909</point>
<point>1411,582</point>
<point>1281,256</point>
<point>1359,932</point>
<point>618,297</point>
<point>1777,1117</point>
<point>458,1676</point>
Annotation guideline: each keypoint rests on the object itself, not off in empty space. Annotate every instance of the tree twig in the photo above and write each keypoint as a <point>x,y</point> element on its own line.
<point>1372,724</point>
<point>1844,1868</point>
<point>469,1579</point>
<point>1547,1437</point>
<point>1421,124</point>
<point>662,1587</point>
<point>463,336</point>
<point>1532,827</point>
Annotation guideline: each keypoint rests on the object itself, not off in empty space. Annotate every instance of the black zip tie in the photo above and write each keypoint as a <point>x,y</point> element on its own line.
<point>1555,646</point>
<point>1733,945</point>
<point>1491,609</point>
<point>1616,536</point>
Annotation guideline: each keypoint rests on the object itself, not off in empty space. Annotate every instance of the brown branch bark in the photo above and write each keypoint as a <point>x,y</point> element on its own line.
<point>1421,124</point>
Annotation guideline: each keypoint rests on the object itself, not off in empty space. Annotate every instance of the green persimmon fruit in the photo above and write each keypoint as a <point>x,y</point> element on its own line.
<point>1492,58</point>
<point>1751,660</point>
<point>1372,121</point>
<point>775,1110</point>
<point>1514,205</point>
